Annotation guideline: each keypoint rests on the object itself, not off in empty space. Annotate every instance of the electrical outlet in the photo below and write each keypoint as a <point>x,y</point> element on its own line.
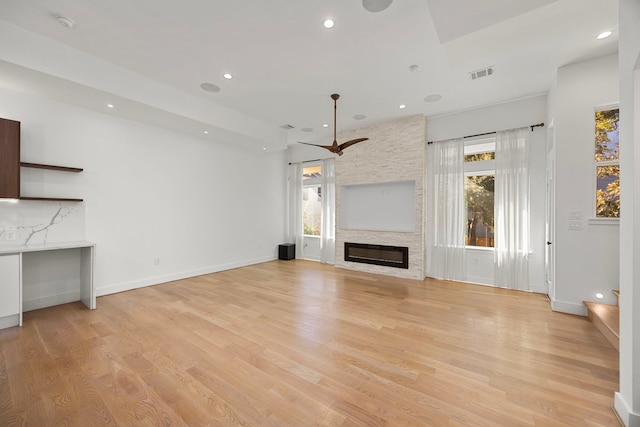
<point>156,261</point>
<point>575,225</point>
<point>11,234</point>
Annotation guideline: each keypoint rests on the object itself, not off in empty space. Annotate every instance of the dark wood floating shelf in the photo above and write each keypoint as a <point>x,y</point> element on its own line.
<point>51,167</point>
<point>52,199</point>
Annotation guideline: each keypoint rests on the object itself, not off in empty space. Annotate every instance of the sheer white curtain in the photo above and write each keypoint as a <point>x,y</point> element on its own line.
<point>328,229</point>
<point>295,234</point>
<point>512,221</point>
<point>446,219</point>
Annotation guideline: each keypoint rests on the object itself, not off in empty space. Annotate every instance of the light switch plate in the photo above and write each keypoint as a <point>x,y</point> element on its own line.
<point>575,215</point>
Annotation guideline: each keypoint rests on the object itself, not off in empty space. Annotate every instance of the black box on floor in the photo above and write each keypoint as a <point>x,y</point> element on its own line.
<point>287,251</point>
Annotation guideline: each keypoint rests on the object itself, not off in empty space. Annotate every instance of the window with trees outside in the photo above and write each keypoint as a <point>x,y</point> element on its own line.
<point>312,200</point>
<point>479,181</point>
<point>607,163</point>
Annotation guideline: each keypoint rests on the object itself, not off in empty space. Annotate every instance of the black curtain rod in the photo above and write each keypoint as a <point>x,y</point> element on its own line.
<point>492,133</point>
<point>306,161</point>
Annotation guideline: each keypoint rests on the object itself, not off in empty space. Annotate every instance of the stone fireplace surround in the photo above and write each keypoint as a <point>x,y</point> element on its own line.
<point>394,152</point>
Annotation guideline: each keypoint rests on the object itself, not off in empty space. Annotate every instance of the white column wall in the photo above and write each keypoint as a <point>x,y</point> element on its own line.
<point>627,400</point>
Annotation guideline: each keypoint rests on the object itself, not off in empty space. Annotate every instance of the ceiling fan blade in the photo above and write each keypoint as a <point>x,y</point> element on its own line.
<point>328,147</point>
<point>350,143</point>
<point>332,148</point>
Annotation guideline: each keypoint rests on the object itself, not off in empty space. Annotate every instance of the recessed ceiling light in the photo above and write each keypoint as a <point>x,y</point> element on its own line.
<point>264,148</point>
<point>599,295</point>
<point>65,22</point>
<point>210,87</point>
<point>413,68</point>
<point>604,35</point>
<point>359,117</point>
<point>328,23</point>
<point>205,132</point>
<point>324,125</point>
<point>433,98</point>
<point>402,106</point>
<point>227,76</point>
<point>110,105</point>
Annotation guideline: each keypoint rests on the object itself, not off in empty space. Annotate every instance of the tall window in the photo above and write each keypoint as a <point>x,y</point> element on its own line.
<point>312,199</point>
<point>479,182</point>
<point>607,163</point>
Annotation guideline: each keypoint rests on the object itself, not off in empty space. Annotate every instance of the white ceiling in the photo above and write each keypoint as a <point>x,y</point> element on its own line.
<point>285,64</point>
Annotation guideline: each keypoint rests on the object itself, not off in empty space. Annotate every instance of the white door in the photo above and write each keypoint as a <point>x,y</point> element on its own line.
<point>549,223</point>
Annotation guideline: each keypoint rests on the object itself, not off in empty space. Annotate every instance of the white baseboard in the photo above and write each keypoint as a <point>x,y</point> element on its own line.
<point>627,416</point>
<point>9,321</point>
<point>568,307</point>
<point>50,301</point>
<point>156,280</point>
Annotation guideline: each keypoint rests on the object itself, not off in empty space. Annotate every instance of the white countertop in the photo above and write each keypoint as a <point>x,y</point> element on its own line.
<point>44,247</point>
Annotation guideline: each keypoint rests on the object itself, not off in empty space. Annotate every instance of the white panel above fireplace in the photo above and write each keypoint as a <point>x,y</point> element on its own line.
<point>384,206</point>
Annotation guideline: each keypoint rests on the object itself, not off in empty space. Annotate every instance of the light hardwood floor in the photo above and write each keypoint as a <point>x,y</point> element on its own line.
<point>297,343</point>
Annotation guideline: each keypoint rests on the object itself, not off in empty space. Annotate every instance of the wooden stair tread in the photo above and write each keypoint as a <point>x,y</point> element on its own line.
<point>609,314</point>
<point>606,318</point>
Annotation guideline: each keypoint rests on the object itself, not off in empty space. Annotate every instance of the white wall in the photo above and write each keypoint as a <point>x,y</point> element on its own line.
<point>198,206</point>
<point>587,260</point>
<point>504,116</point>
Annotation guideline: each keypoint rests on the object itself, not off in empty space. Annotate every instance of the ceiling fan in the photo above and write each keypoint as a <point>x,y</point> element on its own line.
<point>335,148</point>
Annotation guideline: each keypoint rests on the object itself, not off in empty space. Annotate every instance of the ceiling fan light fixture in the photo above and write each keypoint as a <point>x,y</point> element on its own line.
<point>375,6</point>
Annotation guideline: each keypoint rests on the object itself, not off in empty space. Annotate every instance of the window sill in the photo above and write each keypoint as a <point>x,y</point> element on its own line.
<point>479,248</point>
<point>603,221</point>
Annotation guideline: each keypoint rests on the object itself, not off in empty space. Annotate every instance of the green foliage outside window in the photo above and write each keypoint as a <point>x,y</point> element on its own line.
<point>607,157</point>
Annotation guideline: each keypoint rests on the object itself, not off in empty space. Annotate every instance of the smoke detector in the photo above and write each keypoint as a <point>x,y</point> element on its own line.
<point>481,73</point>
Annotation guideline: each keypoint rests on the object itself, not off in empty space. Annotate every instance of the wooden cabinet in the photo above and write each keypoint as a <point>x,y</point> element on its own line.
<point>9,159</point>
<point>10,164</point>
<point>10,290</point>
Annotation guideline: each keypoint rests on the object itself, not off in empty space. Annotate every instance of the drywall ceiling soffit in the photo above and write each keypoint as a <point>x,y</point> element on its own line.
<point>31,82</point>
<point>286,65</point>
<point>457,18</point>
<point>555,33</point>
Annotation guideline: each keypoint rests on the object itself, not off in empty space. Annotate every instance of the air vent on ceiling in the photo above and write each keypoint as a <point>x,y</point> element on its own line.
<point>483,72</point>
<point>286,127</point>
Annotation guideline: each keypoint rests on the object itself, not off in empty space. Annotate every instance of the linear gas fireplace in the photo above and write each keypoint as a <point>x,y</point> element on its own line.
<point>390,256</point>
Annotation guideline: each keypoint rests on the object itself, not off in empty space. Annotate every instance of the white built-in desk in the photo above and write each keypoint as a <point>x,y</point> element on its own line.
<point>43,275</point>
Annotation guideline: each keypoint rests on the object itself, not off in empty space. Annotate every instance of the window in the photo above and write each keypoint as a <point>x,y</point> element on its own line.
<point>607,164</point>
<point>479,182</point>
<point>312,200</point>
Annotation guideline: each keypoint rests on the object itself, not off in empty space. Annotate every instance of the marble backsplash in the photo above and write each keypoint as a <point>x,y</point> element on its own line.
<point>38,222</point>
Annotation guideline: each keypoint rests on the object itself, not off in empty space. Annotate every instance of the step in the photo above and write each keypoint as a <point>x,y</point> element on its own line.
<point>606,319</point>
<point>617,294</point>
